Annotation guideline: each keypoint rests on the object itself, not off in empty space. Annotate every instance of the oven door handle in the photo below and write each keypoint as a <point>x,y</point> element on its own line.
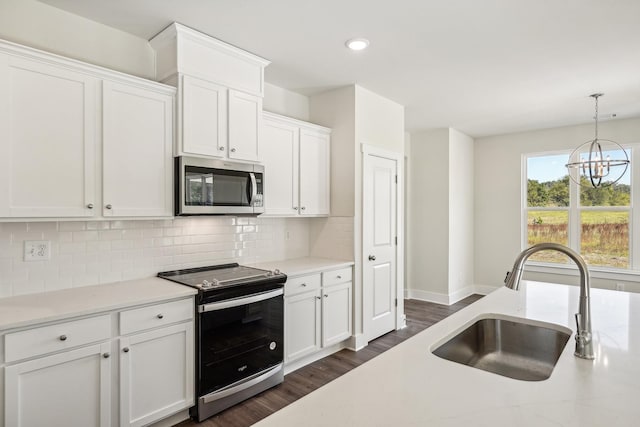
<point>237,387</point>
<point>221,305</point>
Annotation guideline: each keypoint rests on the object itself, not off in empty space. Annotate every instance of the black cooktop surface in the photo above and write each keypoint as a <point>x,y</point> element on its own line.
<point>220,276</point>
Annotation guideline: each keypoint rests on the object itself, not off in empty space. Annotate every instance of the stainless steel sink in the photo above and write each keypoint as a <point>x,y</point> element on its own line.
<point>506,347</point>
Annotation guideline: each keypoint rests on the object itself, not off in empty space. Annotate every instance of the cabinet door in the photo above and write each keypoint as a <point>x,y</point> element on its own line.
<point>48,138</point>
<point>336,313</point>
<point>156,374</point>
<point>137,151</point>
<point>314,172</point>
<point>302,325</point>
<point>245,119</point>
<point>279,153</point>
<point>60,390</point>
<point>203,117</point>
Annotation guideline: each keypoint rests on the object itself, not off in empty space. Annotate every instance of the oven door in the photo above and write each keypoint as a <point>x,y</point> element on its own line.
<point>210,187</point>
<point>240,339</point>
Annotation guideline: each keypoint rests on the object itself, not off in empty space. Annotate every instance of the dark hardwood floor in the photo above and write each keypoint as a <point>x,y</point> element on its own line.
<point>420,315</point>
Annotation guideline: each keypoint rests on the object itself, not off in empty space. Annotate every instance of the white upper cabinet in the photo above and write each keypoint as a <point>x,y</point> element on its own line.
<point>296,159</point>
<point>51,112</point>
<point>204,117</point>
<point>47,139</point>
<point>245,120</point>
<point>314,172</point>
<point>280,142</point>
<point>137,151</point>
<point>220,93</point>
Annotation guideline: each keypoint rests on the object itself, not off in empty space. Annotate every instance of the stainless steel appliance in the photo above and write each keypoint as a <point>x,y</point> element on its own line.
<point>218,187</point>
<point>239,333</point>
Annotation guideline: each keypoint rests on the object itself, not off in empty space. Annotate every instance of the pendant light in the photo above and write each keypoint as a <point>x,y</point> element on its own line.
<point>595,159</point>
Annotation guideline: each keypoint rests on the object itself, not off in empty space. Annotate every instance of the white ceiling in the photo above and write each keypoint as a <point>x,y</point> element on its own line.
<point>484,67</point>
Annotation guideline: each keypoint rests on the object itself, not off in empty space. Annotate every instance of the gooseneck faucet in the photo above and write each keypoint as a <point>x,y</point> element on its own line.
<point>584,344</point>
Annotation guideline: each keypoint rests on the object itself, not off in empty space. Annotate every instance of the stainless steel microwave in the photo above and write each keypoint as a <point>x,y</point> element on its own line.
<point>218,187</point>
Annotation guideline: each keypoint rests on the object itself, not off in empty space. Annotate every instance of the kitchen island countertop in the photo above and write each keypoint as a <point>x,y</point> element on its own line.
<point>409,386</point>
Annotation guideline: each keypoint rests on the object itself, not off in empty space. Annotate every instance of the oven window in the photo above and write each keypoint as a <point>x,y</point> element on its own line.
<point>238,342</point>
<point>216,187</point>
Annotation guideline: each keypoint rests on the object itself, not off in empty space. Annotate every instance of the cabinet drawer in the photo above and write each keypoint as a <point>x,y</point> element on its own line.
<point>336,276</point>
<point>62,336</point>
<point>295,285</point>
<point>155,315</point>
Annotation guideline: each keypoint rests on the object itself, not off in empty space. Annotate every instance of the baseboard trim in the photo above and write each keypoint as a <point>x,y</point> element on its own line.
<point>356,342</point>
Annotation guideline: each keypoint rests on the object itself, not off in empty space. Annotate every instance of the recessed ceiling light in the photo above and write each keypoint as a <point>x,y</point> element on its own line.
<point>357,44</point>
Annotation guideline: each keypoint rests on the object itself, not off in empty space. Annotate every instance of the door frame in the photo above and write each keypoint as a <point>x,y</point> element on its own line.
<point>371,150</point>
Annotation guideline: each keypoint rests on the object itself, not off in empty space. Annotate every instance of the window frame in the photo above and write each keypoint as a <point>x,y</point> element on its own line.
<point>574,231</point>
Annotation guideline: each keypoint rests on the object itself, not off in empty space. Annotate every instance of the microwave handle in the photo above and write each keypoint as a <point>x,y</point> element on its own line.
<point>254,188</point>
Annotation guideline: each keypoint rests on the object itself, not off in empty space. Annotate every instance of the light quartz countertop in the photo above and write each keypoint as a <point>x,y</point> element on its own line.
<point>408,386</point>
<point>302,266</point>
<point>26,310</point>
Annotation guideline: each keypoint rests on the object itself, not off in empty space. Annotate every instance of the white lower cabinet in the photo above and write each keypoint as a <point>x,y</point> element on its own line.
<point>60,390</point>
<point>156,374</point>
<point>66,374</point>
<point>318,312</point>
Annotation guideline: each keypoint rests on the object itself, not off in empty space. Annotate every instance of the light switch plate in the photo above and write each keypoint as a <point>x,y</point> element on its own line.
<point>37,250</point>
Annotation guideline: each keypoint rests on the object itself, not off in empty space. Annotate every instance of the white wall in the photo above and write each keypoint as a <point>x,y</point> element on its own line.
<point>336,109</point>
<point>498,192</point>
<point>461,216</point>
<point>379,121</point>
<point>44,27</point>
<point>428,228</point>
<point>282,101</point>
<point>90,253</point>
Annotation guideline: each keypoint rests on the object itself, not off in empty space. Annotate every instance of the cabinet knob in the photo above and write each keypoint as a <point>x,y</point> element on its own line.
<point>318,298</point>
<point>126,349</point>
<point>221,148</point>
<point>63,337</point>
<point>295,208</point>
<point>372,257</point>
<point>108,206</point>
<point>303,208</point>
<point>106,355</point>
<point>233,150</point>
<point>303,285</point>
<point>160,316</point>
<point>326,295</point>
<point>339,276</point>
<point>90,206</point>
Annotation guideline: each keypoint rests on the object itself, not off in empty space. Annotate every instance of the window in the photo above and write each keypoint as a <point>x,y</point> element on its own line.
<point>594,222</point>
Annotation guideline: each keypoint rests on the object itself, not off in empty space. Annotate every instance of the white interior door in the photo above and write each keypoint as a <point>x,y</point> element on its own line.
<point>379,245</point>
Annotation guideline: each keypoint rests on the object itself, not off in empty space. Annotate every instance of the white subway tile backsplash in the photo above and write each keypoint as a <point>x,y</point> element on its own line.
<point>94,252</point>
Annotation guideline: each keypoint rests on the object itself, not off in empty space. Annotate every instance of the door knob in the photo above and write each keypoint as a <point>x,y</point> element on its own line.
<point>372,257</point>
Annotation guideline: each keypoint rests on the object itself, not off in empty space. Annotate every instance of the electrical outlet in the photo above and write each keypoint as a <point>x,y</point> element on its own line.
<point>37,250</point>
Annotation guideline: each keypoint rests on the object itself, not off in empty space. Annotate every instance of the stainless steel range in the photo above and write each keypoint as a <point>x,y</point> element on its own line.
<point>239,333</point>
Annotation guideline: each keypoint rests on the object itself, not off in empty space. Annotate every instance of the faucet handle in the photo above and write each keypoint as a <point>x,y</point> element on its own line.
<point>578,323</point>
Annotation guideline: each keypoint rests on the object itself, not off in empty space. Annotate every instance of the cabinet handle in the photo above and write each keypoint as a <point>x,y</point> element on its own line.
<point>108,206</point>
<point>233,150</point>
<point>221,148</point>
<point>63,337</point>
<point>126,349</point>
<point>160,316</point>
<point>90,206</point>
<point>106,355</point>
